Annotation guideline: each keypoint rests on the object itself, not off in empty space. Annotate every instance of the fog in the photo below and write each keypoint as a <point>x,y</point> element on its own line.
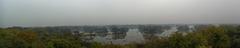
<point>104,12</point>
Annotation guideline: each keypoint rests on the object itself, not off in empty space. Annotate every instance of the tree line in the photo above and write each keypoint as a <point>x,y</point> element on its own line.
<point>224,36</point>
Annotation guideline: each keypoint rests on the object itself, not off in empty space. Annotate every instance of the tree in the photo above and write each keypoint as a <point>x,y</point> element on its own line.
<point>211,37</point>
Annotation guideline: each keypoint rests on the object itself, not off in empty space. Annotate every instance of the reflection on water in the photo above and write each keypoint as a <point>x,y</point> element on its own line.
<point>168,32</point>
<point>120,34</point>
<point>134,35</point>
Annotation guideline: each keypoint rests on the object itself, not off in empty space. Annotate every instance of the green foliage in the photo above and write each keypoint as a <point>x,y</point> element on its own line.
<point>155,42</point>
<point>59,43</point>
<point>209,37</point>
<point>14,38</point>
<point>234,34</point>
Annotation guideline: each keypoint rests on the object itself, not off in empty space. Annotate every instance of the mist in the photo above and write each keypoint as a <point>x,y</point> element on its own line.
<point>105,12</point>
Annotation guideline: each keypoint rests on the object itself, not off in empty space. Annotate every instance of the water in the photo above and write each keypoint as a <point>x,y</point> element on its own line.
<point>133,35</point>
<point>167,33</point>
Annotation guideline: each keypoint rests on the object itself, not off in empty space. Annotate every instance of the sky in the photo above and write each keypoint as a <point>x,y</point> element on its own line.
<point>107,12</point>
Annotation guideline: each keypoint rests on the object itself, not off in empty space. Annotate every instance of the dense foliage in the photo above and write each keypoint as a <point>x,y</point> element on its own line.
<point>224,36</point>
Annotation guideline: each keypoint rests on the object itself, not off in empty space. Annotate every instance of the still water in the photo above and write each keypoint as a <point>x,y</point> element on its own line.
<point>132,36</point>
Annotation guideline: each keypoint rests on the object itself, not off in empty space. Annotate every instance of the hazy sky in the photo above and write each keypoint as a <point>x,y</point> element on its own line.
<point>83,12</point>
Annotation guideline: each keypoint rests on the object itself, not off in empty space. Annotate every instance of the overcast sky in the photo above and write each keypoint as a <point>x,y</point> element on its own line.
<point>94,12</point>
